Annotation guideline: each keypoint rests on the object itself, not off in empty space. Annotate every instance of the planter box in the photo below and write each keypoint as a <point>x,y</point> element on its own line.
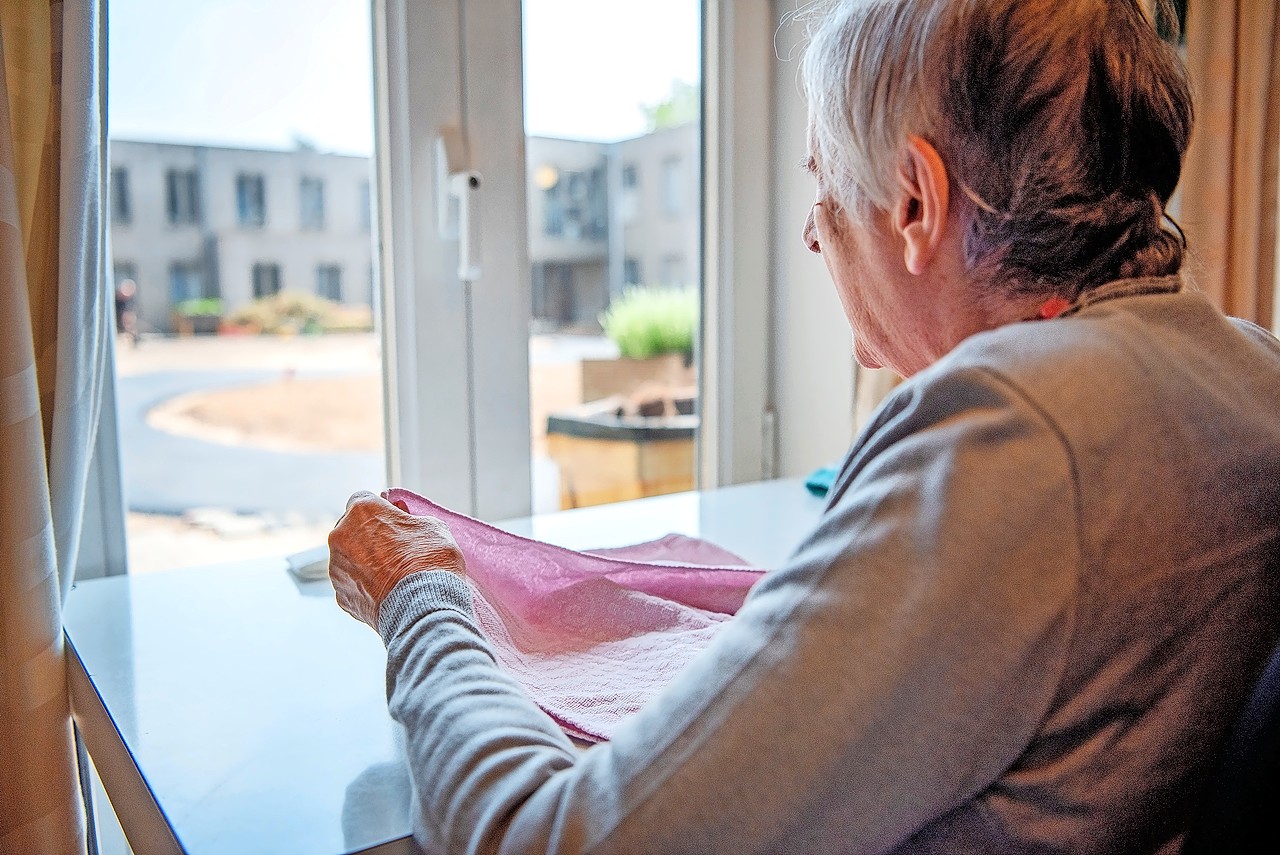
<point>604,377</point>
<point>228,328</point>
<point>604,457</point>
<point>186,325</point>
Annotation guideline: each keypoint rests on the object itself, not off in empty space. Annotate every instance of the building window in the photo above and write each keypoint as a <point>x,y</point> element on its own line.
<point>575,207</point>
<point>251,201</point>
<point>266,279</point>
<point>186,281</point>
<point>182,195</point>
<point>553,211</point>
<point>631,271</point>
<point>121,204</point>
<point>329,282</point>
<point>554,297</point>
<point>311,193</point>
<point>672,186</point>
<point>366,206</point>
<point>630,176</point>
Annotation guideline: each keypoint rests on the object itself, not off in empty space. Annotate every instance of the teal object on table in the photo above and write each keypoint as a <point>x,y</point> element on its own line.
<point>821,480</point>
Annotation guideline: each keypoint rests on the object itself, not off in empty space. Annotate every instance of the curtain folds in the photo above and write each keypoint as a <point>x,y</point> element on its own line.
<point>1229,186</point>
<point>53,339</point>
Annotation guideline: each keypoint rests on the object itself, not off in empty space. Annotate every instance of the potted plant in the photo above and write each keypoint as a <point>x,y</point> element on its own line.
<point>654,329</point>
<point>289,313</point>
<point>634,436</point>
<point>197,316</point>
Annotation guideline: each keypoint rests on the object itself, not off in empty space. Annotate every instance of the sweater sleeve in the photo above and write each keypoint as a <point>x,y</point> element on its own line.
<point>885,676</point>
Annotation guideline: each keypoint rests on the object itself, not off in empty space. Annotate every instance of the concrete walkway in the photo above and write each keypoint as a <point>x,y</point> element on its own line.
<point>169,474</point>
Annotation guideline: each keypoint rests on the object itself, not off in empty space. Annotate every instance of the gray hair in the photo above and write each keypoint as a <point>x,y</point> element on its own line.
<point>1062,123</point>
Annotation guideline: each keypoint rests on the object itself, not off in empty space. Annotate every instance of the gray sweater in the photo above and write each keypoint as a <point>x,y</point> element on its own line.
<point>1046,578</point>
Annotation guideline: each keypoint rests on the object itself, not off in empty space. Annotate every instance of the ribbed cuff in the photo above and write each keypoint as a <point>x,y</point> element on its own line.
<point>419,594</point>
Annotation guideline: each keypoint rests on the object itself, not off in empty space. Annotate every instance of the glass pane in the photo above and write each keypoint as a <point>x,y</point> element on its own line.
<point>249,374</point>
<point>612,116</point>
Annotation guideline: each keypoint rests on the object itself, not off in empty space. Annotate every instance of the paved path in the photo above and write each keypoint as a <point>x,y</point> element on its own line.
<point>169,474</point>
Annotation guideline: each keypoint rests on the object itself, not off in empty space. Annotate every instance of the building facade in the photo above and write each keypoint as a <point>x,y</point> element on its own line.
<point>192,221</point>
<point>603,216</point>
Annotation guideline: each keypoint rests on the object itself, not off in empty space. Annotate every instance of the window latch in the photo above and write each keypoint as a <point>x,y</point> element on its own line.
<point>458,191</point>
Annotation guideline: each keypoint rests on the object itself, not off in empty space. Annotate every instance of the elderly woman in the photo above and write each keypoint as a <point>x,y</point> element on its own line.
<point>1045,578</point>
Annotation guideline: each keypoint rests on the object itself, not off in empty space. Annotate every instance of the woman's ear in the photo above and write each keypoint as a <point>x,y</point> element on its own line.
<point>921,214</point>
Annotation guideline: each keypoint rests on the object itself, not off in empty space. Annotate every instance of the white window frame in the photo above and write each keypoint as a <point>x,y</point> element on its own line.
<point>758,341</point>
<point>457,411</point>
<point>736,440</point>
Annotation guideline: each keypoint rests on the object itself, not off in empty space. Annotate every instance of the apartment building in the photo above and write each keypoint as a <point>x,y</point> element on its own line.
<point>603,216</point>
<point>191,221</point>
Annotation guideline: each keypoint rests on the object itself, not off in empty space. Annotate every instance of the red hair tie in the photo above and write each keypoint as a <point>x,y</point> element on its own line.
<point>1053,307</point>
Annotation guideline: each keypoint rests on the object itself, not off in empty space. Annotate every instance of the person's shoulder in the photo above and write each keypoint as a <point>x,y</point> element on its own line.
<point>1096,371</point>
<point>1099,371</point>
<point>1123,345</point>
<point>1264,338</point>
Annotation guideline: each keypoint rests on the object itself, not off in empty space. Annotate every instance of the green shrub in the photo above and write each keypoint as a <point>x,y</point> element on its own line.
<point>646,321</point>
<point>290,311</point>
<point>199,307</point>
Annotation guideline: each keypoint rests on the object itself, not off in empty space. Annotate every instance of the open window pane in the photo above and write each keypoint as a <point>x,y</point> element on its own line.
<point>250,383</point>
<point>614,196</point>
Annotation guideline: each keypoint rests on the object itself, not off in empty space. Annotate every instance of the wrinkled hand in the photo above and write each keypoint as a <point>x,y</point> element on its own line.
<point>376,544</point>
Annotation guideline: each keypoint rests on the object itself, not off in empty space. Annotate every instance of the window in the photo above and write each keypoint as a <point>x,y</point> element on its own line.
<point>121,207</point>
<point>631,271</point>
<point>251,205</point>
<point>186,281</point>
<point>554,292</point>
<point>266,279</point>
<point>211,259</point>
<point>329,282</point>
<point>311,194</point>
<point>576,206</point>
<point>672,186</point>
<point>182,196</point>
<point>366,206</point>
<point>552,211</point>
<point>630,176</point>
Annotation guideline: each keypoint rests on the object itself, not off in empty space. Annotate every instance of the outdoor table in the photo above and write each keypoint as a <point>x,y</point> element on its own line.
<point>234,709</point>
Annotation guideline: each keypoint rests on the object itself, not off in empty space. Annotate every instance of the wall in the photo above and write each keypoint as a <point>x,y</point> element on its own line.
<point>813,371</point>
<point>664,242</point>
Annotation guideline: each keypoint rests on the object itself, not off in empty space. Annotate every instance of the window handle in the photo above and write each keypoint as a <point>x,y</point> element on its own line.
<point>465,186</point>
<point>458,200</point>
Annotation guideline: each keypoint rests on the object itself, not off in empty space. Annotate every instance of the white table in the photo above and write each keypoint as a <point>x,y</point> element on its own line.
<point>231,709</point>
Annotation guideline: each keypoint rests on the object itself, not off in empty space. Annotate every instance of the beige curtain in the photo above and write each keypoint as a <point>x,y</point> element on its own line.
<point>53,335</point>
<point>1229,185</point>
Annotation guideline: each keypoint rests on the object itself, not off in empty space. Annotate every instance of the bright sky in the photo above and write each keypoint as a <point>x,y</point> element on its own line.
<point>265,73</point>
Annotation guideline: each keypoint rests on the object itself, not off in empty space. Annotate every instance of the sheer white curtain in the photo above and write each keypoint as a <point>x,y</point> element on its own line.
<point>53,338</point>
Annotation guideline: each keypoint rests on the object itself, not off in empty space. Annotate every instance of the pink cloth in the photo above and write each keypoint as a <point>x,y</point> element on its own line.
<point>592,636</point>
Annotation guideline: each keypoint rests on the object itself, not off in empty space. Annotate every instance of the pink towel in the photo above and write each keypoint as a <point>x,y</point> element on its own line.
<point>592,636</point>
